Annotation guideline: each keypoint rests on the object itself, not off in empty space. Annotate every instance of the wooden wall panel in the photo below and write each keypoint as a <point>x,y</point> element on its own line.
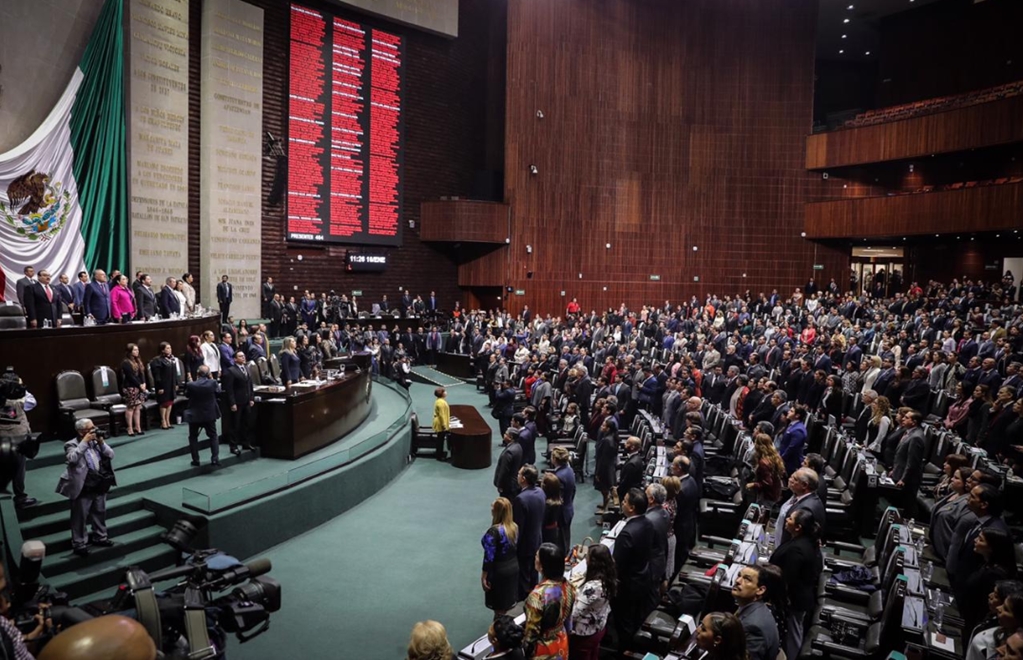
<point>462,220</point>
<point>972,127</point>
<point>447,139</point>
<point>667,125</point>
<point>489,270</point>
<point>988,208</point>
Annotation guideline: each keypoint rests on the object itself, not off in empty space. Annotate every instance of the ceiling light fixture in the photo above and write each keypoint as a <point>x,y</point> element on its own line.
<point>867,53</point>
<point>850,7</point>
<point>845,20</point>
<point>840,51</point>
<point>845,36</point>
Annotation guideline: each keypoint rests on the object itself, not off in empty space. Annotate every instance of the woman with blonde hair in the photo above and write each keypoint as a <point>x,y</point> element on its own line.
<point>500,563</point>
<point>872,372</point>
<point>429,641</point>
<point>879,424</point>
<point>769,471</point>
<point>291,365</point>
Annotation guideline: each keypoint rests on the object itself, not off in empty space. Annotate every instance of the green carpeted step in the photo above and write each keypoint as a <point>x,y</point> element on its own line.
<point>118,526</point>
<point>52,452</point>
<point>59,564</point>
<point>55,521</point>
<point>102,574</point>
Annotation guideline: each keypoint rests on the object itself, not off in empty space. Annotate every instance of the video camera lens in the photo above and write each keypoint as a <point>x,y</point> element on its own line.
<point>263,590</point>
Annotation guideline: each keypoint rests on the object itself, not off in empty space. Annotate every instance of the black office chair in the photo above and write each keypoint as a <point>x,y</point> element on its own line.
<point>107,396</point>
<point>74,404</point>
<point>12,317</point>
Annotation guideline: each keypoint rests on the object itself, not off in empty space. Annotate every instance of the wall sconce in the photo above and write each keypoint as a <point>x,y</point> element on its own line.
<point>534,170</point>
<point>539,114</point>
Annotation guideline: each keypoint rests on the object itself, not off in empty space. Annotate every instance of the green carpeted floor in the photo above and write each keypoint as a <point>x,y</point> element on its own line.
<point>354,587</point>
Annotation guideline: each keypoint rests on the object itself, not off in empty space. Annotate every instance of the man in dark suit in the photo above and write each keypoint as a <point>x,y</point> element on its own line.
<point>431,303</point>
<point>918,391</point>
<point>406,303</point>
<point>145,298</point>
<point>276,314</point>
<point>24,283</point>
<point>78,290</point>
<point>566,475</point>
<point>226,348</point>
<point>908,468</point>
<point>526,438</point>
<point>202,414</point>
<point>168,301</point>
<point>987,504</point>
<point>793,441</point>
<point>225,295</point>
<point>63,288</point>
<point>687,507</point>
<point>632,554</point>
<point>267,294</point>
<point>660,521</point>
<point>41,303</point>
<point>803,483</point>
<point>762,639</point>
<point>633,468</point>
<point>96,299</point>
<point>508,464</point>
<point>527,511</point>
<point>238,397</point>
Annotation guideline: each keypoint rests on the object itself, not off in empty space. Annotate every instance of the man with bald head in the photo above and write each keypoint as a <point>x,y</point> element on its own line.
<point>632,470</point>
<point>96,299</point>
<point>803,484</point>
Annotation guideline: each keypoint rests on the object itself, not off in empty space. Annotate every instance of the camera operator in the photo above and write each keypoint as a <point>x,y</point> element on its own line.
<point>85,482</point>
<point>12,642</point>
<point>14,425</point>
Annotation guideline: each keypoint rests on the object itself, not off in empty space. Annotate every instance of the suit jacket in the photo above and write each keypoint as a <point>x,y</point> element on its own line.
<point>945,517</point>
<point>687,513</point>
<point>631,475</point>
<point>225,292</point>
<point>566,475</point>
<point>22,285</point>
<point>168,303</point>
<point>507,471</point>
<point>798,561</point>
<point>909,459</point>
<point>202,401</point>
<point>78,292</point>
<point>226,356</point>
<point>541,391</point>
<point>268,292</point>
<point>291,369</point>
<point>811,503</point>
<point>38,307</point>
<point>632,554</point>
<point>762,641</point>
<point>145,302</point>
<point>962,560</point>
<point>527,511</point>
<point>67,296</point>
<point>96,301</point>
<point>73,480</point>
<point>238,387</point>
<point>793,443</point>
<point>659,522</point>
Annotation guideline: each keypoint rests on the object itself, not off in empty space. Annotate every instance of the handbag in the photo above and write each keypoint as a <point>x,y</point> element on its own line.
<point>99,482</point>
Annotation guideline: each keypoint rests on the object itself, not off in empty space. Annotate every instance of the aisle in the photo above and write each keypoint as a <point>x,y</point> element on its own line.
<point>354,587</point>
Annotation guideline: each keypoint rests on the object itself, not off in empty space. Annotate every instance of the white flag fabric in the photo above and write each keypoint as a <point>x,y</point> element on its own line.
<point>40,217</point>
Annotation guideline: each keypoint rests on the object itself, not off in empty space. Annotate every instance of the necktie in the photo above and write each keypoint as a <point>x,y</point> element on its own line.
<point>49,294</point>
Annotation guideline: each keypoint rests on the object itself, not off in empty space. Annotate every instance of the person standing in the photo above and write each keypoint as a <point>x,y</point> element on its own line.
<point>800,566</point>
<point>16,429</point>
<point>793,441</point>
<point>504,406</point>
<point>165,381</point>
<point>660,522</point>
<point>85,482</point>
<point>566,475</point>
<point>908,469</point>
<point>553,504</point>
<point>238,395</point>
<point>122,301</point>
<point>508,464</point>
<point>202,414</point>
<point>593,604</point>
<point>225,295</point>
<point>750,592</point>
<point>24,284</point>
<point>291,365</point>
<point>133,388</point>
<point>632,554</point>
<point>500,577</point>
<point>96,298</point>
<point>441,419</point>
<point>41,303</point>
<point>268,292</point>
<point>169,304</point>
<point>145,298</point>
<point>527,511</point>
<point>188,291</point>
<point>549,606</point>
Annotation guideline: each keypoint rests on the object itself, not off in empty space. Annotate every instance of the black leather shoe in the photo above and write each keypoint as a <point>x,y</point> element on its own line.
<point>215,463</point>
<point>236,451</point>
<point>248,448</point>
<point>195,464</point>
<point>105,543</point>
<point>81,552</point>
<point>25,502</point>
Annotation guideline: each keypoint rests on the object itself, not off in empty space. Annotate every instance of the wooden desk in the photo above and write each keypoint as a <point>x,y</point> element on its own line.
<point>310,419</point>
<point>38,355</point>
<point>456,364</point>
<point>470,445</point>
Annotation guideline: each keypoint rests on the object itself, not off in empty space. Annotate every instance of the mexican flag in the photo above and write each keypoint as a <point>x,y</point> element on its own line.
<point>63,191</point>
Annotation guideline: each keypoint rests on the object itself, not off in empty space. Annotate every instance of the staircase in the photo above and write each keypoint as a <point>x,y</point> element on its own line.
<point>158,458</point>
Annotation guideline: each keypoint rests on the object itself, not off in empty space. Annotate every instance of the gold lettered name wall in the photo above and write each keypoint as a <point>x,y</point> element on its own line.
<point>231,151</point>
<point>158,137</point>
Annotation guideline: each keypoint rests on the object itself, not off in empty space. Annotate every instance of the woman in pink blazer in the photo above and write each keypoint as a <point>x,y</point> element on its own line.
<point>121,301</point>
